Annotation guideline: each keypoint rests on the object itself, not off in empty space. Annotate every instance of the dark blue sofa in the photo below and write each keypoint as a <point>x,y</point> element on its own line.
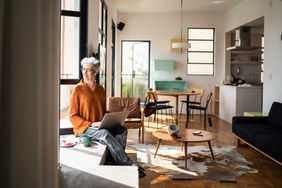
<point>262,133</point>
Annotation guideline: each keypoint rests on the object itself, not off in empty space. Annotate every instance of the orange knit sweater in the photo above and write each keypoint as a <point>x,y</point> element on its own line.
<point>86,106</point>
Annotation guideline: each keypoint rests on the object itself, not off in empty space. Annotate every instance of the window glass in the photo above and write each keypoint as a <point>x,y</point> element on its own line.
<point>201,46</point>
<point>200,69</point>
<point>73,5</point>
<point>194,57</point>
<point>206,34</point>
<point>70,47</point>
<point>135,68</point>
<point>65,93</point>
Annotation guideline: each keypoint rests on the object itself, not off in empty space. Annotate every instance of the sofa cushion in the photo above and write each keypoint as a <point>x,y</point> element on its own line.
<point>248,132</point>
<point>270,144</point>
<point>275,114</point>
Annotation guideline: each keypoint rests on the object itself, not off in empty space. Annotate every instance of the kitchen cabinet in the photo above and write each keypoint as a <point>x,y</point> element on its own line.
<point>235,100</point>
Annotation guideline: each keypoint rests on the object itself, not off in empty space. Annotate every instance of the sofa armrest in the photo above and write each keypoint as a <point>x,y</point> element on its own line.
<point>249,120</point>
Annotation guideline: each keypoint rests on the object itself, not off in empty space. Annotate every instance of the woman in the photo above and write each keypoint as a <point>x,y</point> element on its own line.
<point>88,105</point>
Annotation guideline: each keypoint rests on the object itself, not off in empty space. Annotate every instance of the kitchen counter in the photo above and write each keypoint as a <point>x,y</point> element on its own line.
<point>235,100</point>
<point>243,86</point>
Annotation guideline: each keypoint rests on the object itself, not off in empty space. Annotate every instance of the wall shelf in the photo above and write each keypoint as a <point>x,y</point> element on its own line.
<point>247,52</point>
<point>238,49</point>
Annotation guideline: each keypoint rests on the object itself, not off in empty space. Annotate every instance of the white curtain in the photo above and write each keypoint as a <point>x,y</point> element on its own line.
<point>29,54</point>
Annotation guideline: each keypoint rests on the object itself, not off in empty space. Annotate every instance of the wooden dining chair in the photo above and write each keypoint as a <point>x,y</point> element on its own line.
<point>197,100</point>
<point>203,108</point>
<point>157,105</point>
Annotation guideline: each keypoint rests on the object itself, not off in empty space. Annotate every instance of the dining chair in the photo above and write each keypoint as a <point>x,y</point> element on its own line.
<point>135,119</point>
<point>197,100</point>
<point>203,108</point>
<point>157,105</point>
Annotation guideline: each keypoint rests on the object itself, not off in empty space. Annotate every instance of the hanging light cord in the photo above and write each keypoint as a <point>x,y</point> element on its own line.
<point>181,42</point>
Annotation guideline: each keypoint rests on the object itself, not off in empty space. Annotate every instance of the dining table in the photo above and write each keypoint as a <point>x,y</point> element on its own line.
<point>176,94</point>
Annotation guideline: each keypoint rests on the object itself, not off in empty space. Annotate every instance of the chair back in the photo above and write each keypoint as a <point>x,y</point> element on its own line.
<point>201,91</point>
<point>208,99</point>
<point>131,104</point>
<point>152,96</point>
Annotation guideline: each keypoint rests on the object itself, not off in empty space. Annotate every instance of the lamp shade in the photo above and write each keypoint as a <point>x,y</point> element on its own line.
<point>183,45</point>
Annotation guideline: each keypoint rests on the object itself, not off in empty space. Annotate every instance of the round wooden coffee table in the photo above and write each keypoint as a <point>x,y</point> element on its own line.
<point>185,136</point>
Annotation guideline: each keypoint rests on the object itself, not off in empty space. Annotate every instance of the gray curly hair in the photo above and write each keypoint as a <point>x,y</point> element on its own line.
<point>92,61</point>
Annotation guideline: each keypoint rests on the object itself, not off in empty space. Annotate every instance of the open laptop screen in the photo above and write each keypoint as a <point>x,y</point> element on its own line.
<point>111,120</point>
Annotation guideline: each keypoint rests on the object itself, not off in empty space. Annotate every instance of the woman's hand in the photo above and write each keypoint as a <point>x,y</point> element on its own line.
<point>95,124</point>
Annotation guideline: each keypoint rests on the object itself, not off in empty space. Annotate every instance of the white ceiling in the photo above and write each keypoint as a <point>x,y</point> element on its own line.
<point>137,6</point>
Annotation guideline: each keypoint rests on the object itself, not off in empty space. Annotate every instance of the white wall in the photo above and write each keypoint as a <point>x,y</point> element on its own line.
<point>244,12</point>
<point>160,28</point>
<point>30,101</point>
<point>273,55</point>
<point>249,10</point>
<point>112,15</point>
<point>93,25</point>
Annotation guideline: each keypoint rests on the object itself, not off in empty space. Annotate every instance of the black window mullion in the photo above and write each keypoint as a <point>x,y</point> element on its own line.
<point>201,51</point>
<point>70,13</point>
<point>200,40</point>
<point>69,81</point>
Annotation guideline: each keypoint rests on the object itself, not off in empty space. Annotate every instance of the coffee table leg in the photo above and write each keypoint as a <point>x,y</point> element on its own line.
<point>158,145</point>
<point>185,154</point>
<point>211,149</point>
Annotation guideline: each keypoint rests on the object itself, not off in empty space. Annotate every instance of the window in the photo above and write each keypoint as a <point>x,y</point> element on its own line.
<point>200,56</point>
<point>135,63</point>
<point>73,39</point>
<point>72,50</point>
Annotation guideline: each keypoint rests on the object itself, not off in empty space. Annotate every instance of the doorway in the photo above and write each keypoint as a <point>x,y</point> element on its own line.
<point>135,68</point>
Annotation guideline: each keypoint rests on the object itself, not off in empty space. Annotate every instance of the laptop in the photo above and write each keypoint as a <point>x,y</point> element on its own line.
<point>111,120</point>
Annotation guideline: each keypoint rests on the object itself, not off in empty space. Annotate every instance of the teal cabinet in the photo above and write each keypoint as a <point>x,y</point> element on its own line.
<point>164,65</point>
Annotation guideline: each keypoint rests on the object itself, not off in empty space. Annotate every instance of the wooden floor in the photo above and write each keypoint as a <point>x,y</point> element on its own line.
<point>269,172</point>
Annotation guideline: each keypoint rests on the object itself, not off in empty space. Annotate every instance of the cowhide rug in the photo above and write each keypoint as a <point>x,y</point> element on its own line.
<point>228,163</point>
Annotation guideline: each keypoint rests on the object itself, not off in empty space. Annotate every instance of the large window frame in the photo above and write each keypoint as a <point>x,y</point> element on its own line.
<point>200,52</point>
<point>82,15</point>
<point>133,71</point>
